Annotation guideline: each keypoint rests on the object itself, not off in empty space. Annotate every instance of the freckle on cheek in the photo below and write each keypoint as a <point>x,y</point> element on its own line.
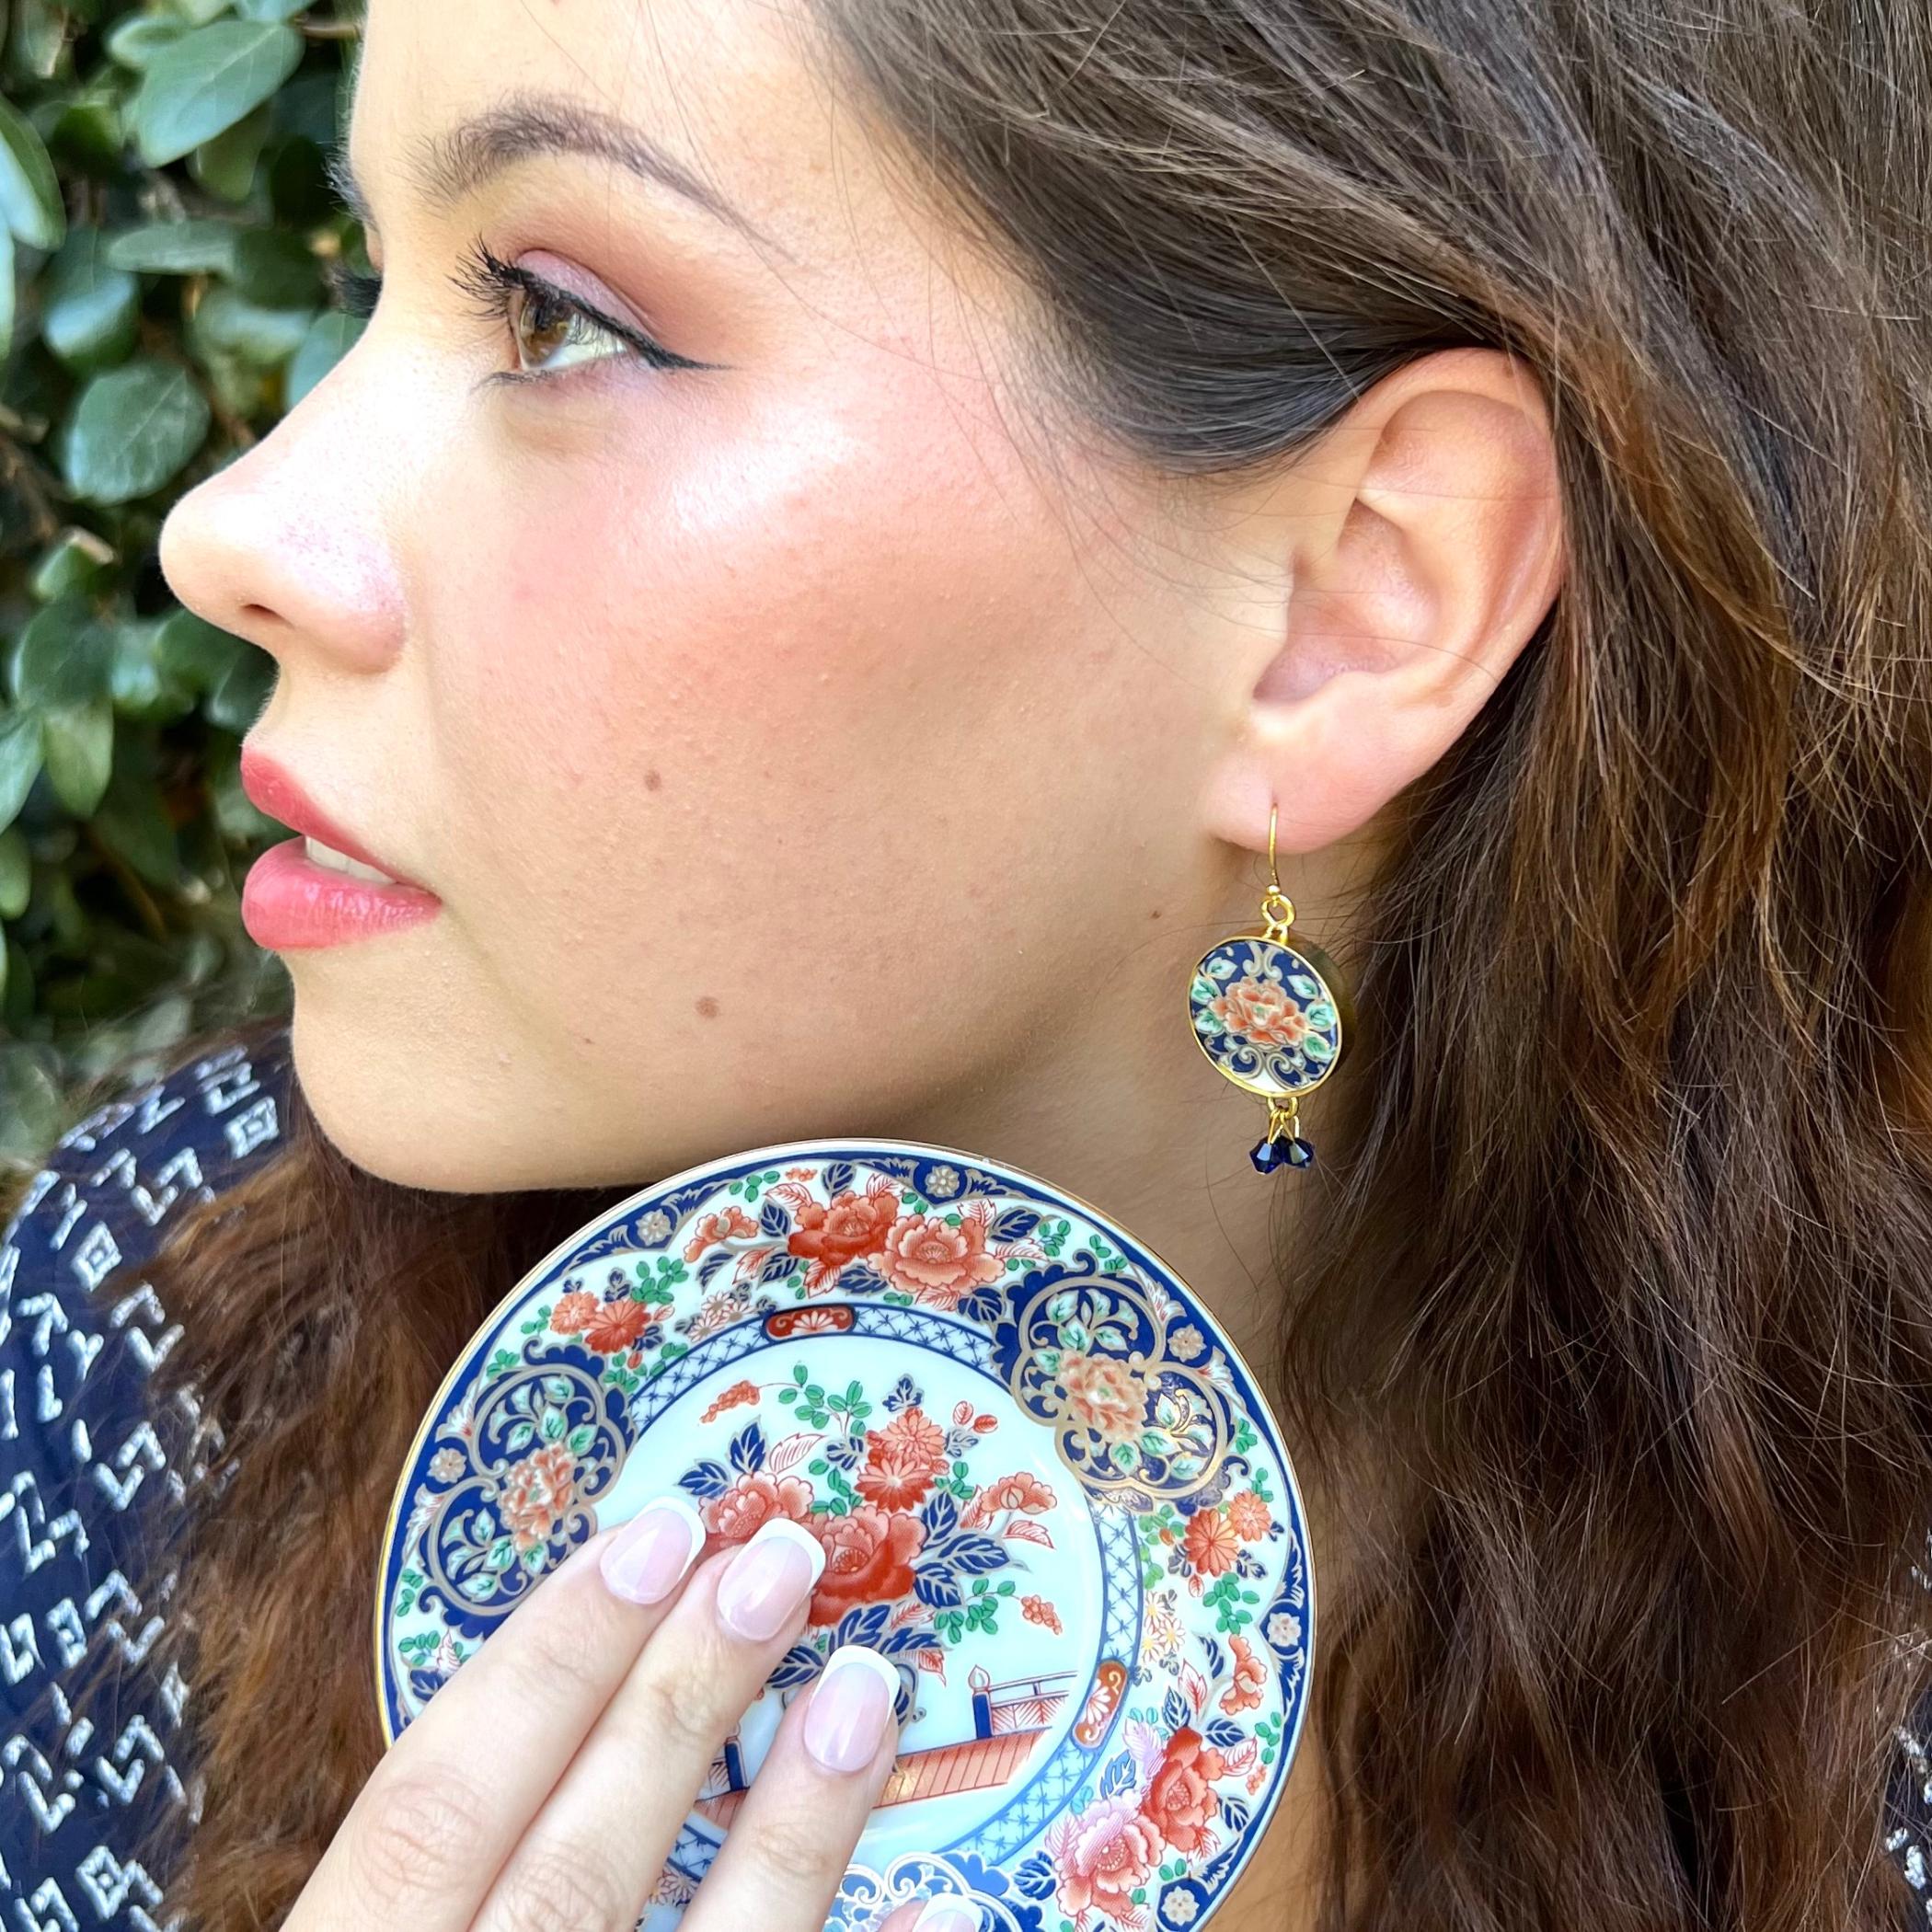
<point>707,1008</point>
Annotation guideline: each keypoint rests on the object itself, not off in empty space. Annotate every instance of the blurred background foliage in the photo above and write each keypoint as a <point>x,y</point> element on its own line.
<point>167,232</point>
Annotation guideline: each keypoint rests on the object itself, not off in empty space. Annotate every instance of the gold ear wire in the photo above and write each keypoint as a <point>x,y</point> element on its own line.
<point>1277,908</point>
<point>1269,1009</point>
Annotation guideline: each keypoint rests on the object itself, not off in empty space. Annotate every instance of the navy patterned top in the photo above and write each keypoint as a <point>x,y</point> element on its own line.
<point>84,1464</point>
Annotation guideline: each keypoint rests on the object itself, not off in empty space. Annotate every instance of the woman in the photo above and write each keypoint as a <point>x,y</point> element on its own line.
<point>919,486</point>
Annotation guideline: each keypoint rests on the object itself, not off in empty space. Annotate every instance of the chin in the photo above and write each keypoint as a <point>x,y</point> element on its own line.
<point>393,1111</point>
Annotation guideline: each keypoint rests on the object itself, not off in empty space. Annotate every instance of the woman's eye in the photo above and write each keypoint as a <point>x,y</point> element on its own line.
<point>545,328</point>
<point>544,322</point>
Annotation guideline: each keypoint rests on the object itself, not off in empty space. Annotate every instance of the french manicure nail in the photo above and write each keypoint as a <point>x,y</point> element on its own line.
<point>946,1915</point>
<point>647,1558</point>
<point>767,1581</point>
<point>850,1703</point>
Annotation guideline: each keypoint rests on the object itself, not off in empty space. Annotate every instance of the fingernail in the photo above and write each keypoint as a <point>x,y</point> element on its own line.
<point>646,1560</point>
<point>946,1915</point>
<point>850,1703</point>
<point>765,1582</point>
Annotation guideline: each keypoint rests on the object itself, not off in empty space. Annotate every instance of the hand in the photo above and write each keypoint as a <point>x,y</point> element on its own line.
<point>543,1786</point>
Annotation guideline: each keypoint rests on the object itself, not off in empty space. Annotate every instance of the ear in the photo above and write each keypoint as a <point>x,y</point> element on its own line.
<point>1422,541</point>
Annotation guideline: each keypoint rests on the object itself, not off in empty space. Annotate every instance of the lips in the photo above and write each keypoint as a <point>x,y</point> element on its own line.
<point>271,789</point>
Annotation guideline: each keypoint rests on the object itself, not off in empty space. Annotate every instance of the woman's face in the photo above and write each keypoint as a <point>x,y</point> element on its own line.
<point>790,749</point>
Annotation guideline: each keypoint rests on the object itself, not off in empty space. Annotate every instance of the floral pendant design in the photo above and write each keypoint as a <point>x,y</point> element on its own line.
<point>1265,1013</point>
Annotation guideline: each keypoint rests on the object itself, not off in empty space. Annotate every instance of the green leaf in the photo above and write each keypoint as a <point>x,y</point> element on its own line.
<point>191,247</point>
<point>241,696</point>
<point>39,38</point>
<point>73,561</point>
<point>78,742</point>
<point>90,311</point>
<point>16,872</point>
<point>31,1105</point>
<point>87,136</point>
<point>269,9</point>
<point>133,429</point>
<point>277,268</point>
<point>64,655</point>
<point>225,323</point>
<point>135,39</point>
<point>132,821</point>
<point>30,191</point>
<point>199,86</point>
<point>19,761</point>
<point>198,654</point>
<point>141,689</point>
<point>236,815</point>
<point>225,165</point>
<point>6,292</point>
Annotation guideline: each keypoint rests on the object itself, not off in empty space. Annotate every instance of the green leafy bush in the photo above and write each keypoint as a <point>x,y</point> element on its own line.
<point>166,228</point>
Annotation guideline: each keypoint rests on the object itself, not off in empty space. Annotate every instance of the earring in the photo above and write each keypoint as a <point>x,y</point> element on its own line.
<point>1272,1016</point>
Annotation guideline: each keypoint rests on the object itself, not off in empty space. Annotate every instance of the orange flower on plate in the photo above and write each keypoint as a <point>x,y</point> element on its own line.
<point>616,1326</point>
<point>1249,1516</point>
<point>1211,1544</point>
<point>1244,1692</point>
<point>938,1263</point>
<point>570,1313</point>
<point>901,1460</point>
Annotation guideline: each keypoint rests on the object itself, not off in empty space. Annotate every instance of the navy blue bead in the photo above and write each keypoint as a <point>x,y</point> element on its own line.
<point>1291,1152</point>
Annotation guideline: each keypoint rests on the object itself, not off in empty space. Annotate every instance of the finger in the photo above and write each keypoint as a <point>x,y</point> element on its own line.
<point>789,1844</point>
<point>428,1832</point>
<point>592,1855</point>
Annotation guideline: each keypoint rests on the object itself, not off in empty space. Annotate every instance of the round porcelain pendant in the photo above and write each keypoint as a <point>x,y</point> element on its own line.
<point>1049,1492</point>
<point>1263,1013</point>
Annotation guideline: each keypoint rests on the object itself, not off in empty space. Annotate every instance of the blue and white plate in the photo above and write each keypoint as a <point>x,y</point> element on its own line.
<point>1049,1489</point>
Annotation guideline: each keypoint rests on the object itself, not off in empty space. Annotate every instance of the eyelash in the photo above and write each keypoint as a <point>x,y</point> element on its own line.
<point>492,283</point>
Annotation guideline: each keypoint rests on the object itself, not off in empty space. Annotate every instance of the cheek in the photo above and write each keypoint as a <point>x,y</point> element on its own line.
<point>780,699</point>
<point>788,622</point>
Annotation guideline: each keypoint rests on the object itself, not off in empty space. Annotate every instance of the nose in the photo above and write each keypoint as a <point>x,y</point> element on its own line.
<point>292,545</point>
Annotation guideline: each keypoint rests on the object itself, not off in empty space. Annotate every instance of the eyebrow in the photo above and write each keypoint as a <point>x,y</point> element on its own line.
<point>446,167</point>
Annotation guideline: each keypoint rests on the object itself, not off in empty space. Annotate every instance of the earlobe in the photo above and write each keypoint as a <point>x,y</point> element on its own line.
<point>1425,533</point>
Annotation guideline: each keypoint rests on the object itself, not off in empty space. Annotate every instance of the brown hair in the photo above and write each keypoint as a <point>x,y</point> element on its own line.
<point>1626,1251</point>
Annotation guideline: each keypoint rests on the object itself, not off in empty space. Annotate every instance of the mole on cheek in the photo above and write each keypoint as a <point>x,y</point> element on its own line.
<point>651,781</point>
<point>707,1008</point>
